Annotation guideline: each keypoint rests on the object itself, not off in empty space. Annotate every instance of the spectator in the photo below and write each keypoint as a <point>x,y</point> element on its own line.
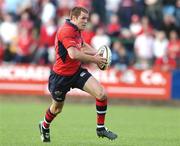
<point>9,53</point>
<point>139,7</point>
<point>144,49</point>
<point>95,21</point>
<point>168,24</point>
<point>168,7</point>
<point>154,12</point>
<point>146,25</point>
<point>127,39</point>
<point>165,63</point>
<point>11,6</point>
<point>45,52</point>
<point>120,57</point>
<point>25,21</point>
<point>177,14</point>
<point>174,44</point>
<point>48,11</point>
<point>114,27</point>
<point>135,25</point>
<point>8,29</point>
<point>100,38</point>
<point>126,10</point>
<point>88,34</point>
<point>64,7</point>
<point>112,7</point>
<point>84,3</point>
<point>160,45</point>
<point>174,47</point>
<point>25,47</point>
<point>2,2</point>
<point>99,8</point>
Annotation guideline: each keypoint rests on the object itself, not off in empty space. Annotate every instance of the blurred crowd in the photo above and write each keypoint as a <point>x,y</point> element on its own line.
<point>141,33</point>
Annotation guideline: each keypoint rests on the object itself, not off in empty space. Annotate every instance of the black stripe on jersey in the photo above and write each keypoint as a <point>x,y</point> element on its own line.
<point>62,51</point>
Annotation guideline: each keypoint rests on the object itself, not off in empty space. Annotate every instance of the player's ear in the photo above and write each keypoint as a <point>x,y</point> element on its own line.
<point>73,18</point>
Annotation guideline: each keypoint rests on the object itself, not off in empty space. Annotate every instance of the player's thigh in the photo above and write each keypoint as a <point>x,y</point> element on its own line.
<point>94,88</point>
<point>58,86</point>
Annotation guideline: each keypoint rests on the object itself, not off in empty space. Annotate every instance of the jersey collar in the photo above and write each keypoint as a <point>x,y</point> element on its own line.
<point>70,23</point>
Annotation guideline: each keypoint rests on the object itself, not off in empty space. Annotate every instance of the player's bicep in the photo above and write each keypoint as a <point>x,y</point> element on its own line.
<point>69,42</point>
<point>72,52</point>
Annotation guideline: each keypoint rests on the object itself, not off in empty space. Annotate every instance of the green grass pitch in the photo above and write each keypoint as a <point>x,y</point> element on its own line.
<point>135,125</point>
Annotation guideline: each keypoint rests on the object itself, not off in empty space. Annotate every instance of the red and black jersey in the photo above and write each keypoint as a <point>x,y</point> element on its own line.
<point>67,36</point>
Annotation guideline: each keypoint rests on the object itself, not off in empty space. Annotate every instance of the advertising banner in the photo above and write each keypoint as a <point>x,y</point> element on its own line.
<point>31,79</point>
<point>23,79</point>
<point>144,84</point>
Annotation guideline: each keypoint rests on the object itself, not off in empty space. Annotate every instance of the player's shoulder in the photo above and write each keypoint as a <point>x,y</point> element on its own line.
<point>66,31</point>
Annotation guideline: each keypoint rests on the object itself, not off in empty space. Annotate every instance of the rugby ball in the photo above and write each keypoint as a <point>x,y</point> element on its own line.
<point>105,52</point>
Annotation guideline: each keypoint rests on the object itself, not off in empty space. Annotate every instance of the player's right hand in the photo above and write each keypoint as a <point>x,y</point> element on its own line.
<point>100,60</point>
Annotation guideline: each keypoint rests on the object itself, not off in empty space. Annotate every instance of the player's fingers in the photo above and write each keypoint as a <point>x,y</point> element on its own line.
<point>104,60</point>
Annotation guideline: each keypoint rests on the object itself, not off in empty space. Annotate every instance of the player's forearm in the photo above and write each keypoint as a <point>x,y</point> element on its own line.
<point>78,55</point>
<point>85,57</point>
<point>87,49</point>
<point>92,53</point>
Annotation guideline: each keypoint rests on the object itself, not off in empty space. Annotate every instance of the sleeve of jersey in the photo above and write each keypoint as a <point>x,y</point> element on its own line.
<point>68,40</point>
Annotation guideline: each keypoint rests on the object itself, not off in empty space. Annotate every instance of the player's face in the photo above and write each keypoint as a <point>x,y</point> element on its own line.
<point>82,20</point>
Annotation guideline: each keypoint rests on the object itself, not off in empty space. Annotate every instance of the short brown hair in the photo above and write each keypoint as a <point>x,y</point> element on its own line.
<point>76,11</point>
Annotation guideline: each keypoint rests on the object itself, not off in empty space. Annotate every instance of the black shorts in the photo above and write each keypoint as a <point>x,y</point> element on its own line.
<point>60,85</point>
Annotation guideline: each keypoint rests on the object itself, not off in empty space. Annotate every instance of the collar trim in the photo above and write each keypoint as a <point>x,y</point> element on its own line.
<point>70,23</point>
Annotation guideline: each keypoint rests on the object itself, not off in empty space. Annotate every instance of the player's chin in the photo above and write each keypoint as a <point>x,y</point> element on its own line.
<point>83,27</point>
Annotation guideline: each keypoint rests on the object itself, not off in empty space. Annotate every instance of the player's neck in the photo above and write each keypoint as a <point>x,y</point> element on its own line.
<point>73,22</point>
